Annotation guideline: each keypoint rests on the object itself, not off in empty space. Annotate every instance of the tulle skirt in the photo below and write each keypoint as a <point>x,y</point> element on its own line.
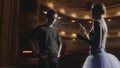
<point>101,60</point>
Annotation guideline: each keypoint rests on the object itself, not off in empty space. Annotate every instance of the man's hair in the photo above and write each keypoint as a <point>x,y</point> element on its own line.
<point>51,12</point>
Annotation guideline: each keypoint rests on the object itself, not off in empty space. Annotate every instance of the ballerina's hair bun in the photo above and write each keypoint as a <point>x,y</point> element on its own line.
<point>99,8</point>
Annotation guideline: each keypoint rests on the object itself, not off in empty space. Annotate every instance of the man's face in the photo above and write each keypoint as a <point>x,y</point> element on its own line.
<point>52,19</point>
<point>55,18</point>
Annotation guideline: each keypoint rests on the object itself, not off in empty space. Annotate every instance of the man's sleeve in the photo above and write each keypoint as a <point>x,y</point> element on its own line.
<point>59,39</point>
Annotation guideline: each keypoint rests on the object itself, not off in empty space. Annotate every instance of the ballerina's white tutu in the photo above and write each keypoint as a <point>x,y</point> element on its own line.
<point>101,60</point>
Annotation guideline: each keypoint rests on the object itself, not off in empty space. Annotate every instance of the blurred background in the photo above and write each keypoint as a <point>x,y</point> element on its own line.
<point>19,17</point>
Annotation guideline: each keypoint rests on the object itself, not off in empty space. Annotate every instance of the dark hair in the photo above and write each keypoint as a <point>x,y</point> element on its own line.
<point>98,9</point>
<point>51,12</point>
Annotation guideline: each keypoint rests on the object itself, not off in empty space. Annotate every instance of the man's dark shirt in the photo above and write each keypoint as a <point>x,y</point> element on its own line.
<point>48,38</point>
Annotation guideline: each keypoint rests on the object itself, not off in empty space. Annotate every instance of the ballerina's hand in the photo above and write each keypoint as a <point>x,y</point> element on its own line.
<point>82,29</point>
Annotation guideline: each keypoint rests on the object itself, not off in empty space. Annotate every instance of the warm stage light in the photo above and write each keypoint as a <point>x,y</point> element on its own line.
<point>104,16</point>
<point>90,21</point>
<point>87,17</point>
<point>62,33</point>
<point>50,4</point>
<point>26,51</point>
<point>118,13</point>
<point>73,21</point>
<point>74,39</point>
<point>73,35</point>
<point>73,15</point>
<point>62,10</point>
<point>45,12</point>
<point>59,17</point>
<point>109,20</point>
<point>119,34</point>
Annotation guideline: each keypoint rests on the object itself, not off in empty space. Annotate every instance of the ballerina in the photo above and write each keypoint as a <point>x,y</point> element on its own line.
<point>98,57</point>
